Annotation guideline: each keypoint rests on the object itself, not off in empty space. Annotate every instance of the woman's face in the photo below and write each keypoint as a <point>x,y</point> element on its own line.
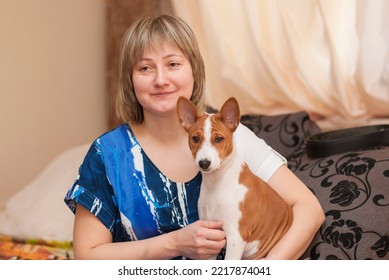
<point>160,77</point>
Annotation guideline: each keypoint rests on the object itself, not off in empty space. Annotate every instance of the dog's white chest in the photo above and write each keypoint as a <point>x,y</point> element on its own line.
<point>220,201</point>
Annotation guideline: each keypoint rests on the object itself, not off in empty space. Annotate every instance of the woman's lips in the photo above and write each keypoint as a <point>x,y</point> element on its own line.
<point>161,94</point>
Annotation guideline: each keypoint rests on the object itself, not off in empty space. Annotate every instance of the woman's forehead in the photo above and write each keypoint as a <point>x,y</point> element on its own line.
<point>163,47</point>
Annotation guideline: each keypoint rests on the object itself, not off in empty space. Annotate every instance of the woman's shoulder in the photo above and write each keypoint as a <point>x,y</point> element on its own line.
<point>117,134</point>
<point>122,129</point>
<point>116,137</point>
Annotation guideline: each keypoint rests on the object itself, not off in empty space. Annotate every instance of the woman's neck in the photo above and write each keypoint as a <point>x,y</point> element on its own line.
<point>160,129</point>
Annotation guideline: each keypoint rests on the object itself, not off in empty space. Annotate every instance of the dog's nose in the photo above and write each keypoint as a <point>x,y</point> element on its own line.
<point>204,164</point>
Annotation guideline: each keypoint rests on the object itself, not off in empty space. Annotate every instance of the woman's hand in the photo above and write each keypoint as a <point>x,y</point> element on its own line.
<point>200,240</point>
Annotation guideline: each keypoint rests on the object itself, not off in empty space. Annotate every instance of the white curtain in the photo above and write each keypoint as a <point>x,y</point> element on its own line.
<point>328,57</point>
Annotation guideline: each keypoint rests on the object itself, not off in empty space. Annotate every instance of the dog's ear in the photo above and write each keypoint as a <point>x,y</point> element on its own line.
<point>187,112</point>
<point>230,113</point>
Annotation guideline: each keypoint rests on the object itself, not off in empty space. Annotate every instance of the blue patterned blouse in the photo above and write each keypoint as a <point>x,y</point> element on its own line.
<point>113,185</point>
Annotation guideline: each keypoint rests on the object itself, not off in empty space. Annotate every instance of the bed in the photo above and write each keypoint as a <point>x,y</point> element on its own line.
<point>352,187</point>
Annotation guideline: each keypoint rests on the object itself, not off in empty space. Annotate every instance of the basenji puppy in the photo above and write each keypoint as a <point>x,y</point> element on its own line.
<point>254,216</point>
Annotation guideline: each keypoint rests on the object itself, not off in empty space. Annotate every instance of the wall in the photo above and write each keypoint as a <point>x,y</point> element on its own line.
<point>52,83</point>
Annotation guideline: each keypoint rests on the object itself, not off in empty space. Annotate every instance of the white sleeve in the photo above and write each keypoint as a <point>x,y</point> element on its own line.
<point>260,157</point>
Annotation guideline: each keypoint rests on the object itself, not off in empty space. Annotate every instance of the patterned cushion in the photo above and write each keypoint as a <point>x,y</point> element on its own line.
<point>353,189</point>
<point>285,133</point>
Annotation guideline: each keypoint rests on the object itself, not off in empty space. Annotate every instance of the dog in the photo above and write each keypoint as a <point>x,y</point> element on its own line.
<point>254,216</point>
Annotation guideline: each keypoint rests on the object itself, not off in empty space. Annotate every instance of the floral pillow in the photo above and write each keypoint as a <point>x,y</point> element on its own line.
<point>285,133</point>
<point>353,189</point>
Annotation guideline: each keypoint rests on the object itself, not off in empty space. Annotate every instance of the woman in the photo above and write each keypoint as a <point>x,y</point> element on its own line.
<point>136,195</point>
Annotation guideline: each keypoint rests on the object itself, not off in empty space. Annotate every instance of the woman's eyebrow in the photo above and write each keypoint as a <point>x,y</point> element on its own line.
<point>164,57</point>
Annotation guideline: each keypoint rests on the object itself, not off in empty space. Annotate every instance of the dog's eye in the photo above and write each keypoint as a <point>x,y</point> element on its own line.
<point>195,139</point>
<point>219,139</point>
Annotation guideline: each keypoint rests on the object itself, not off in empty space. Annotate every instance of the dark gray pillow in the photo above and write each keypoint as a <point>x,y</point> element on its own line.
<point>353,189</point>
<point>285,133</point>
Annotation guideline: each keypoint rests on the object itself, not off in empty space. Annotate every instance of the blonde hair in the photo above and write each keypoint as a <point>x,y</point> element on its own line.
<point>148,32</point>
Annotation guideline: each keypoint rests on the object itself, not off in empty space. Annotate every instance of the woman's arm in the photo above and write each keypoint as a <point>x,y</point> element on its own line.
<point>92,240</point>
<point>308,215</point>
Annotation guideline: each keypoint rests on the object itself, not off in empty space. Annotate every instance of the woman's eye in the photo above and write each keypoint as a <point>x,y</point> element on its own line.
<point>174,64</point>
<point>144,68</point>
<point>219,139</point>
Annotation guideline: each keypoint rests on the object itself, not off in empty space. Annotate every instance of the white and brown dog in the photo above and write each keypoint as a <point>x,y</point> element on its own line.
<point>254,216</point>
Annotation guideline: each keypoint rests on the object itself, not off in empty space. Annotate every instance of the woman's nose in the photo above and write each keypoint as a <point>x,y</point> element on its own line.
<point>161,78</point>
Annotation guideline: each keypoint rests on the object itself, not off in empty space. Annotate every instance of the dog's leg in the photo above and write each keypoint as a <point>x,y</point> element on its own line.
<point>235,247</point>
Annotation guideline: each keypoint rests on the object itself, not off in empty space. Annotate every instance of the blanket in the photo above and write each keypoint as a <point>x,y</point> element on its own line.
<point>34,249</point>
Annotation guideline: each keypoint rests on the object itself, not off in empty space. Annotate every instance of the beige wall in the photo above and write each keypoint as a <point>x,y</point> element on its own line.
<point>52,83</point>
